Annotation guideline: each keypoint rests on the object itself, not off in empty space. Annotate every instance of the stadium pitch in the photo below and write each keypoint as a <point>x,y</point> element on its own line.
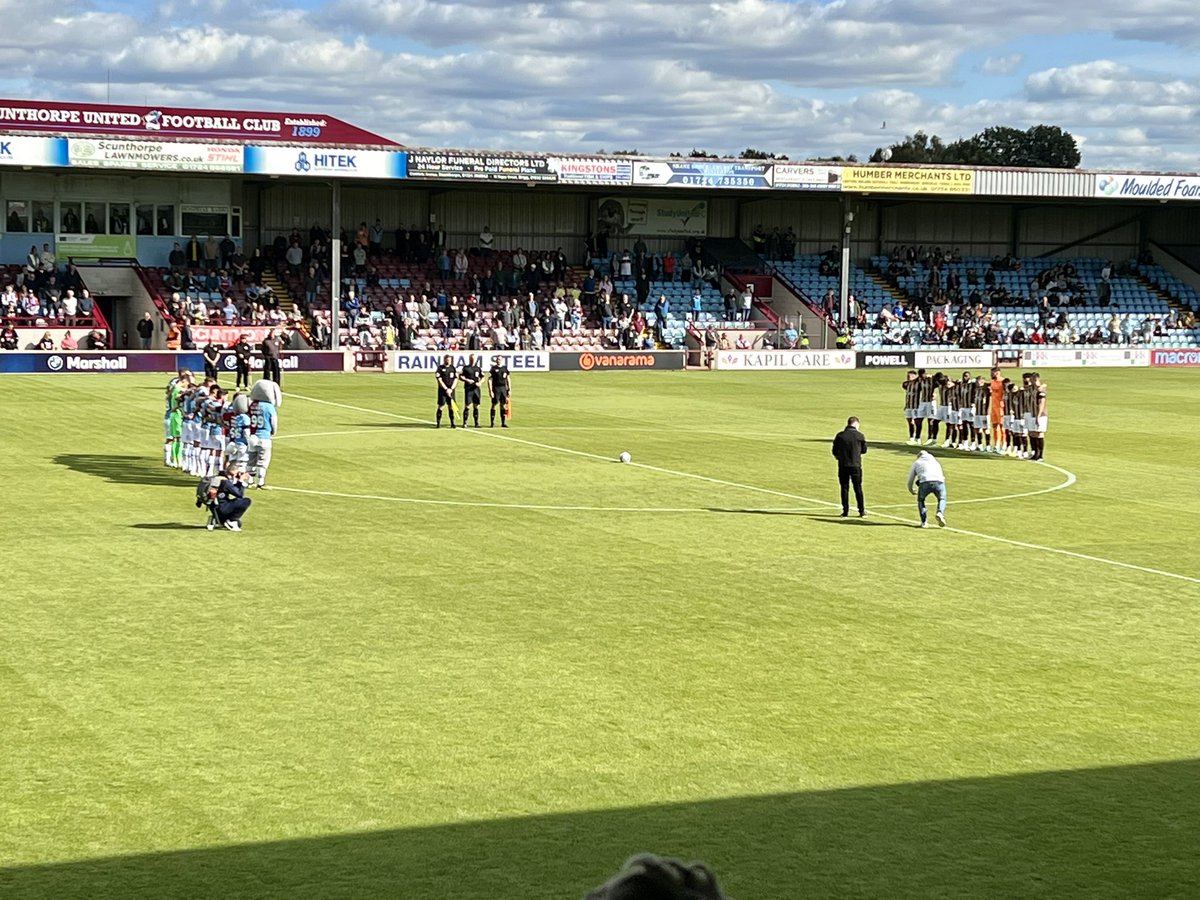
<point>494,664</point>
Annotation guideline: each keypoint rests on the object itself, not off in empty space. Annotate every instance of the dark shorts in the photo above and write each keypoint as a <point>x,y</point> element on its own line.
<point>500,397</point>
<point>471,396</point>
<point>444,398</point>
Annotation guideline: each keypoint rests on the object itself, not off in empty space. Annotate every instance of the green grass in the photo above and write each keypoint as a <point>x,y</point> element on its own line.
<point>374,698</point>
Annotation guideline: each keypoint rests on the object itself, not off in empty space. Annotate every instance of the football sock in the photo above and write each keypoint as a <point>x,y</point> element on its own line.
<point>439,417</point>
<point>911,429</point>
<point>917,428</point>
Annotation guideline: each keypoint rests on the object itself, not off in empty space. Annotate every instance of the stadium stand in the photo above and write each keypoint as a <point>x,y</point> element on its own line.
<point>37,309</point>
<point>999,305</point>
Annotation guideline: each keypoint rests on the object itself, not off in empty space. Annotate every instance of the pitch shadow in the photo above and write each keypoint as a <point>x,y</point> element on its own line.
<point>124,469</point>
<point>903,447</point>
<point>1117,832</point>
<point>854,520</point>
<point>167,526</point>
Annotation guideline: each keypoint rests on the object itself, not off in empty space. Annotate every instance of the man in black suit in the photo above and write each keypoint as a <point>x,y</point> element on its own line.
<point>848,449</point>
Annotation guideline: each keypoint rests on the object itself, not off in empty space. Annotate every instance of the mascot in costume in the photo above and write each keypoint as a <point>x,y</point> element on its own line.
<point>265,400</point>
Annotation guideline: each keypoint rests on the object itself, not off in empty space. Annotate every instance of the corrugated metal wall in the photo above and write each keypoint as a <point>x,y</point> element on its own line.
<point>544,220</point>
<point>1175,225</point>
<point>286,206</point>
<point>974,229</point>
<point>816,219</point>
<point>534,219</point>
<point>1039,183</point>
<point>1109,231</point>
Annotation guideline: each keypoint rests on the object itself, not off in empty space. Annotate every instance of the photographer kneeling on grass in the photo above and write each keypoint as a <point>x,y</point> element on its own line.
<point>224,497</point>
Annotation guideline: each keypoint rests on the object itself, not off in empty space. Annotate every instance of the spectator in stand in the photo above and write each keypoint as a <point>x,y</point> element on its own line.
<point>239,268</point>
<point>97,340</point>
<point>47,262</point>
<point>625,267</point>
<point>212,252</point>
<point>747,301</point>
<point>145,330</point>
<point>461,265</point>
<point>229,312</point>
<point>697,305</point>
<point>69,343</point>
<point>295,258</point>
<point>46,343</point>
<point>500,337</point>
<point>69,308</point>
<point>486,240</point>
<point>444,264</point>
<point>375,238</point>
<point>227,249</point>
<point>758,239</point>
<point>8,337</point>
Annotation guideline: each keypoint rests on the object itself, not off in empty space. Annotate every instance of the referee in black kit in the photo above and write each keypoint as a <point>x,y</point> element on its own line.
<point>848,449</point>
<point>271,347</point>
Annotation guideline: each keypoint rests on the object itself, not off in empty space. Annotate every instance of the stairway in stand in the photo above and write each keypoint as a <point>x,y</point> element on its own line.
<point>287,303</point>
<point>1154,289</point>
<point>892,291</point>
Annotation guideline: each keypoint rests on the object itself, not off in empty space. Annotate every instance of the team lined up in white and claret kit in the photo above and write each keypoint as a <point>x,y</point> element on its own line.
<point>207,431</point>
<point>979,416</point>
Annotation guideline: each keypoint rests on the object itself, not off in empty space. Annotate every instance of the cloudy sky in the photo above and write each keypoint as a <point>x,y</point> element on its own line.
<point>803,78</point>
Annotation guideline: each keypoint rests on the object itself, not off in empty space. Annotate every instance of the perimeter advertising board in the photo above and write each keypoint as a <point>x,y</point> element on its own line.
<point>954,359</point>
<point>91,362</point>
<point>615,360</point>
<point>1148,187</point>
<point>424,362</point>
<point>700,174</point>
<point>308,361</point>
<point>1183,357</point>
<point>454,166</point>
<point>1072,357</point>
<point>307,162</point>
<point>797,177</point>
<point>576,170</point>
<point>886,359</point>
<point>158,156</point>
<point>33,151</point>
<point>908,180</point>
<point>776,360</point>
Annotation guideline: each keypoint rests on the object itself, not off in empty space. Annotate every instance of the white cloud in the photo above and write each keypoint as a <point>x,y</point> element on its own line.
<point>1002,65</point>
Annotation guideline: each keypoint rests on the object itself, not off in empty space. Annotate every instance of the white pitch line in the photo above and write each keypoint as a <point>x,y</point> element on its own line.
<point>826,504</point>
<point>1068,482</point>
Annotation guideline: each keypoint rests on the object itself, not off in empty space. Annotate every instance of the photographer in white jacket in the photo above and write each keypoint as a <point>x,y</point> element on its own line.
<point>927,478</point>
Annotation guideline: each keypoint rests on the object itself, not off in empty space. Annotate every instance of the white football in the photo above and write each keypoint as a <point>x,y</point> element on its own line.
<point>625,457</point>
